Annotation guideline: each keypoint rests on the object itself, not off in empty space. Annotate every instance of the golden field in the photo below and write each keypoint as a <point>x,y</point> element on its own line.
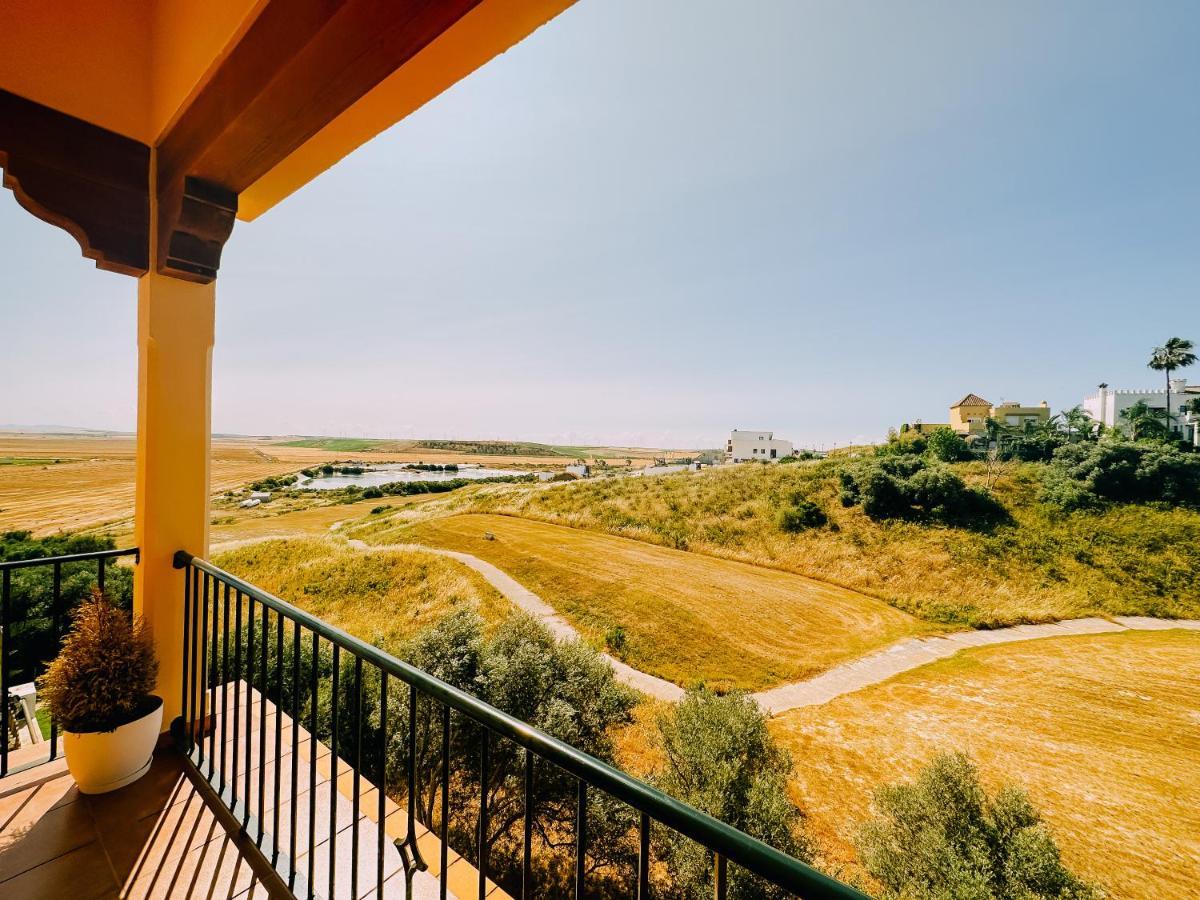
<point>381,597</point>
<point>1103,731</point>
<point>686,617</point>
<point>1043,566</point>
<point>76,482</point>
<point>94,482</point>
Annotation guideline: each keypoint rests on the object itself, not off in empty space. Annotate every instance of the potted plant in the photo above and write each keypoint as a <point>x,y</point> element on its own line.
<point>99,691</point>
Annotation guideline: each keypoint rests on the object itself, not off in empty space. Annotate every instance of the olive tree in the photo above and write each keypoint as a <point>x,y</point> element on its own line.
<point>943,837</point>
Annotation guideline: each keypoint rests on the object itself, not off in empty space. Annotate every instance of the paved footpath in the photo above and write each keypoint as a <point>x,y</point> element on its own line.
<point>914,652</point>
<point>523,597</point>
<point>843,679</point>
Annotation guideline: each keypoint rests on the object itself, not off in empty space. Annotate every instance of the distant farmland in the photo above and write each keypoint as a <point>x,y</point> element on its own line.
<point>476,448</point>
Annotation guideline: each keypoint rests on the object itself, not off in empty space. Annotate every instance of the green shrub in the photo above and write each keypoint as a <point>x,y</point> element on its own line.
<point>1085,475</point>
<point>944,837</point>
<point>562,687</point>
<point>615,639</point>
<point>32,639</point>
<point>906,487</point>
<point>274,483</point>
<point>721,758</point>
<point>372,493</point>
<point>947,445</point>
<point>800,516</point>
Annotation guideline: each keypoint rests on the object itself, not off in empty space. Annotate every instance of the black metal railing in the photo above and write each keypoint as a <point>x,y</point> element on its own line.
<point>390,727</point>
<point>37,597</point>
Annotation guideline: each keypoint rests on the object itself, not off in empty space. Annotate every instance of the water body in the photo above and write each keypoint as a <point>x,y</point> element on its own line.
<point>377,476</point>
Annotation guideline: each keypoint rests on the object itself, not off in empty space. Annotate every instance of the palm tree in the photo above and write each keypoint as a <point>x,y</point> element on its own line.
<point>1075,420</point>
<point>1143,420</point>
<point>1176,353</point>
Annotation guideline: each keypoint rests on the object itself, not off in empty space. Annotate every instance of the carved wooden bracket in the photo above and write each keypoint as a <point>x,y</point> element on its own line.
<point>92,183</point>
<point>195,219</point>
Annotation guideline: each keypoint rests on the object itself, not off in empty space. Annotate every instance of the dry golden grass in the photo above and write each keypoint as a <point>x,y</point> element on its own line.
<point>283,518</point>
<point>383,597</point>
<point>686,617</point>
<point>95,483</point>
<point>1045,566</point>
<point>1103,731</point>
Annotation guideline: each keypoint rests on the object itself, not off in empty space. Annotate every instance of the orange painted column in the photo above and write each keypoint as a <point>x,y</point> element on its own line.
<point>175,340</point>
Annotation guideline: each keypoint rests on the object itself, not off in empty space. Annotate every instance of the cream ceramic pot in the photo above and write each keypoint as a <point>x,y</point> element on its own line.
<point>102,761</point>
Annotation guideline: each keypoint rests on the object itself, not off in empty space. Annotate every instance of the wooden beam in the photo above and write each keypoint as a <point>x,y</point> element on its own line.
<point>92,183</point>
<point>299,66</point>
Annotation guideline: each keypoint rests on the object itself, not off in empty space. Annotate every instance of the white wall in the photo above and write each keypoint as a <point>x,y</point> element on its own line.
<point>1106,405</point>
<point>747,446</point>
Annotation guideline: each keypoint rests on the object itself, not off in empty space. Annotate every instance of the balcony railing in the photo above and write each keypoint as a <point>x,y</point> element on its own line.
<point>34,615</point>
<point>394,760</point>
<point>266,683</point>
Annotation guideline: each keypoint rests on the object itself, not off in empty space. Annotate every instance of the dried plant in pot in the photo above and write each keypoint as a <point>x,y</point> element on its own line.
<point>99,691</point>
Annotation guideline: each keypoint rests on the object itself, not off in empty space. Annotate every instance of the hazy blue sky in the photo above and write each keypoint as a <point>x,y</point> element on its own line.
<point>655,221</point>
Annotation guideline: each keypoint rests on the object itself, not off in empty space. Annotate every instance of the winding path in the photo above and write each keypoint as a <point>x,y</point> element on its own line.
<point>841,679</point>
<point>523,597</point>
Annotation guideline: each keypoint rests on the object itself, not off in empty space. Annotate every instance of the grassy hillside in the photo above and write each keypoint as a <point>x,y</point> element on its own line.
<point>683,617</point>
<point>1044,565</point>
<point>383,597</point>
<point>1100,730</point>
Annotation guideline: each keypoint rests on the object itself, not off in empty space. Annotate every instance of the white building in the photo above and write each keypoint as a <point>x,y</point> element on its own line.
<point>1107,404</point>
<point>750,446</point>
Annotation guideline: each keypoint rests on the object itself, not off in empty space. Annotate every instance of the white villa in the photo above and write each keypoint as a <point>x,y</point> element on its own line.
<point>750,446</point>
<point>1107,404</point>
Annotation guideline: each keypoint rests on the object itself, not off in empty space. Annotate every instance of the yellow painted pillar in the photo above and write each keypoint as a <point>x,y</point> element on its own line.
<point>175,340</point>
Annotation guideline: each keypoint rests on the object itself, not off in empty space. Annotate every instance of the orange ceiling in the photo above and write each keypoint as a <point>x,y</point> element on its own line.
<point>131,66</point>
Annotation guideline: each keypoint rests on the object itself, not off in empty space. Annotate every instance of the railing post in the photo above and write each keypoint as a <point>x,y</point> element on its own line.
<point>175,338</point>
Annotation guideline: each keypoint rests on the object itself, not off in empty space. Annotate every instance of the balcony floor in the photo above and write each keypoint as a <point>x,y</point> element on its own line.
<point>160,836</point>
<point>157,837</point>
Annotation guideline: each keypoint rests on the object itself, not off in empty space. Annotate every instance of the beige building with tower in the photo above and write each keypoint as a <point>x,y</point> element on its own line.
<point>970,414</point>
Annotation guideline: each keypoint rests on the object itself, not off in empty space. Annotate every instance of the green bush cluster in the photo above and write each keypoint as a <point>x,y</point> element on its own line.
<point>947,445</point>
<point>907,487</point>
<point>719,756</point>
<point>1082,476</point>
<point>944,837</point>
<point>800,515</point>
<point>30,638</point>
<point>274,482</point>
<point>564,688</point>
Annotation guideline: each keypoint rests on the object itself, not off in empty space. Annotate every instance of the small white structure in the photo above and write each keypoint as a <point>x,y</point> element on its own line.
<point>579,470</point>
<point>753,446</point>
<point>1107,404</point>
<point>249,504</point>
<point>261,496</point>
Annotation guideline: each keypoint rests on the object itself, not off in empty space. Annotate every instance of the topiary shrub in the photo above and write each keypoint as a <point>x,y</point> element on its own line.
<point>104,675</point>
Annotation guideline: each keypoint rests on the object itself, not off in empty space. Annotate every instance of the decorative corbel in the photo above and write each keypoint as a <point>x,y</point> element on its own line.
<point>91,182</point>
<point>195,218</point>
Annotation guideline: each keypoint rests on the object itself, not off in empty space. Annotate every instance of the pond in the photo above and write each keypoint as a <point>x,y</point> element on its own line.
<point>379,475</point>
